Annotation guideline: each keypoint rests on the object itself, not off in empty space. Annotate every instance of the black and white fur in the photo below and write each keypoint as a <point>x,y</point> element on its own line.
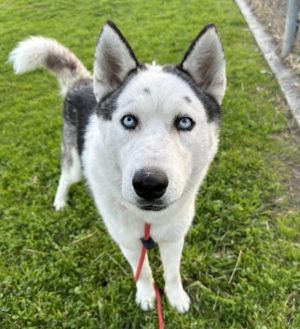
<point>150,173</point>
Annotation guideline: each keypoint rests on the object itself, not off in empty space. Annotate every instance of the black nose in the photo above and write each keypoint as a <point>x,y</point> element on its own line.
<point>150,184</point>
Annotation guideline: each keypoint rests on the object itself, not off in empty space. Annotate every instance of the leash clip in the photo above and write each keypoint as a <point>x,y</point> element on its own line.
<point>148,244</point>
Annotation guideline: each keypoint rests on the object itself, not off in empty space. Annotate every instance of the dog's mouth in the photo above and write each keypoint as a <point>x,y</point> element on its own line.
<point>152,207</point>
<point>157,205</point>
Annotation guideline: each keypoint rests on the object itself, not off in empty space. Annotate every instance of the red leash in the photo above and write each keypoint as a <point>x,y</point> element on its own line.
<point>139,269</point>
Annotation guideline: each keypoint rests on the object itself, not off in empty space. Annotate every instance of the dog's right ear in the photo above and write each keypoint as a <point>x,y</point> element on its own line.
<point>114,59</point>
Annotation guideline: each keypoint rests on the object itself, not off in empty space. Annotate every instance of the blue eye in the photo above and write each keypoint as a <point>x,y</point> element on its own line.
<point>184,123</point>
<point>129,121</point>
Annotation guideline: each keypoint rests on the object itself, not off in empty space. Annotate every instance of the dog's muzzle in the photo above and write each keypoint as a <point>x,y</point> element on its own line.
<point>150,184</point>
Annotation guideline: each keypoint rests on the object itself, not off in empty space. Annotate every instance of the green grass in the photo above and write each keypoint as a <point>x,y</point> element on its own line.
<point>241,263</point>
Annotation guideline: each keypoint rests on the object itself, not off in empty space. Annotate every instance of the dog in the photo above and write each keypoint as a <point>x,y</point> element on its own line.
<point>142,135</point>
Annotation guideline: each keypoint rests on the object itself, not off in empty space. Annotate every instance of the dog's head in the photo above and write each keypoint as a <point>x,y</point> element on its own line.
<point>159,123</point>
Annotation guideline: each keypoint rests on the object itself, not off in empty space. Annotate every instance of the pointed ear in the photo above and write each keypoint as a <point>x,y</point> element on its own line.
<point>114,59</point>
<point>205,62</point>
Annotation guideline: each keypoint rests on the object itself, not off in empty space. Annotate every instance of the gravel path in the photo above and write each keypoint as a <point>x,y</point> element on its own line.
<point>271,14</point>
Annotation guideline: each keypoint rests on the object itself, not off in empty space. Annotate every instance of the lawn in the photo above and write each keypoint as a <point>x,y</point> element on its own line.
<point>241,263</point>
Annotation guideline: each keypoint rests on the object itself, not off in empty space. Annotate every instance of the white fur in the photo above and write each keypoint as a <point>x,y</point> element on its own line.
<point>69,175</point>
<point>113,154</point>
<point>31,54</point>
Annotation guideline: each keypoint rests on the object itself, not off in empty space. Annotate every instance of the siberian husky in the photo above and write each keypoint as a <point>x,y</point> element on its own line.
<point>143,137</point>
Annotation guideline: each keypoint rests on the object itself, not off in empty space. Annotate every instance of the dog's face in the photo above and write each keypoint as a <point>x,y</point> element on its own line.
<point>159,124</point>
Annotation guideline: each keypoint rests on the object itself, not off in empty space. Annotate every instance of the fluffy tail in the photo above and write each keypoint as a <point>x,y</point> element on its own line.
<point>43,53</point>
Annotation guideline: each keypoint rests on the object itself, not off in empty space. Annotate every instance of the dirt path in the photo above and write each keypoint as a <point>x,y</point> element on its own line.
<point>271,14</point>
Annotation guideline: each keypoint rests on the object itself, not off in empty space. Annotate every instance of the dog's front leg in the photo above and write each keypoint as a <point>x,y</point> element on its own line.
<point>145,294</point>
<point>171,254</point>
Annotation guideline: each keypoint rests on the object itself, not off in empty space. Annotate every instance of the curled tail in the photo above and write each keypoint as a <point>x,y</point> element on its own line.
<point>43,53</point>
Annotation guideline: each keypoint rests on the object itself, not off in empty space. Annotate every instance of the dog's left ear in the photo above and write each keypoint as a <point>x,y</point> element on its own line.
<point>114,59</point>
<point>205,62</point>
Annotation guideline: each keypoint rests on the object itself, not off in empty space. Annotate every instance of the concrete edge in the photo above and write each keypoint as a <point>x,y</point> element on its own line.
<point>286,78</point>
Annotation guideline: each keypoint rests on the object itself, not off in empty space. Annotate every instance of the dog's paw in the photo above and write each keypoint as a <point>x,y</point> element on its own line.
<point>59,204</point>
<point>145,297</point>
<point>179,299</point>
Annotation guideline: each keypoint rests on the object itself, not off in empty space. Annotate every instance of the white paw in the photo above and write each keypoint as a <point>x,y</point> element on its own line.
<point>145,297</point>
<point>179,299</point>
<point>59,204</point>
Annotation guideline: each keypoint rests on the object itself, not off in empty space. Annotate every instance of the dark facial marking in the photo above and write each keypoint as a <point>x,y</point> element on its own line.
<point>146,90</point>
<point>211,106</point>
<point>107,104</point>
<point>187,99</point>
